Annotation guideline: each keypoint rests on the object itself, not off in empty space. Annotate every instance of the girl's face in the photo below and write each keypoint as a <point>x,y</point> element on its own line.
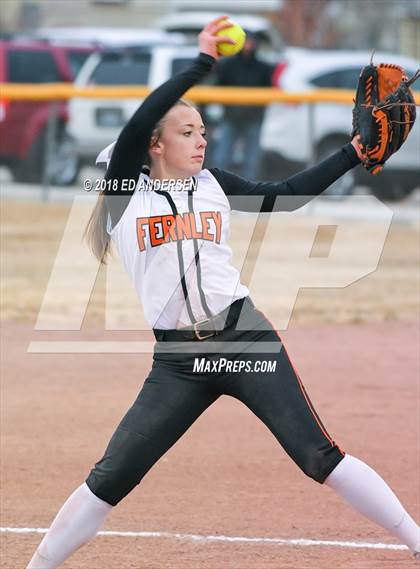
<point>180,149</point>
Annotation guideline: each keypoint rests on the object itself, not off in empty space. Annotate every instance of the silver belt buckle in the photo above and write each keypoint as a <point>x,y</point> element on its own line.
<point>197,332</point>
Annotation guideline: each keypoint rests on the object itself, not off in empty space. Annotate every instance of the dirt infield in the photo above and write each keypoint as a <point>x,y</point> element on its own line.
<point>31,235</point>
<point>227,476</point>
<point>356,349</point>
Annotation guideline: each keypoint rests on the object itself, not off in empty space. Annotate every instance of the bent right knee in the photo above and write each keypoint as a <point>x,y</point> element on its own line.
<point>128,457</point>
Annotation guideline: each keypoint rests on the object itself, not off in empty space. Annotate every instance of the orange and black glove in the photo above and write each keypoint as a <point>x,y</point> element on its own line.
<point>384,113</point>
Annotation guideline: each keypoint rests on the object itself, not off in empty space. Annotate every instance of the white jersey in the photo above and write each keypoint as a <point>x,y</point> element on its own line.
<point>174,244</point>
<point>175,250</point>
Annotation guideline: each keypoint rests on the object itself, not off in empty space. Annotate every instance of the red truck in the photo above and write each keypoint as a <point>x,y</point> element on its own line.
<point>23,124</point>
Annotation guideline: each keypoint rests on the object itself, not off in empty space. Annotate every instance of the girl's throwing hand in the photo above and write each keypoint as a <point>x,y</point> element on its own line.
<point>208,40</point>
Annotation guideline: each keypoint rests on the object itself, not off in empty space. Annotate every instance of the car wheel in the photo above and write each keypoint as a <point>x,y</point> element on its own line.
<point>392,188</point>
<point>29,169</point>
<point>390,184</point>
<point>63,167</point>
<point>345,185</point>
<point>274,168</point>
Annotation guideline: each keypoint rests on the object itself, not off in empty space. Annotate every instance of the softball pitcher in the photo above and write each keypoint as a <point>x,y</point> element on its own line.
<point>173,240</point>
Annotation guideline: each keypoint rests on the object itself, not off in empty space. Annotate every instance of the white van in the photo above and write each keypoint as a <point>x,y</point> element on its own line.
<point>94,123</point>
<point>288,138</point>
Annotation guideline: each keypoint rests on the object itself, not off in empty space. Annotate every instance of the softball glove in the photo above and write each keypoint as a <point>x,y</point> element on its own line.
<point>383,114</point>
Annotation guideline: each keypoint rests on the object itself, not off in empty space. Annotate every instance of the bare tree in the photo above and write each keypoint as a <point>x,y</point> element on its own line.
<point>307,23</point>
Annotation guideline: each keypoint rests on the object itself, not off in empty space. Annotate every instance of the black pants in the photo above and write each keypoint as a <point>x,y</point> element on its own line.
<point>174,396</point>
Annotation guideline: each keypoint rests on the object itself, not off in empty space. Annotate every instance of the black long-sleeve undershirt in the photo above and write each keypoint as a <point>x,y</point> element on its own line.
<point>132,145</point>
<point>294,191</point>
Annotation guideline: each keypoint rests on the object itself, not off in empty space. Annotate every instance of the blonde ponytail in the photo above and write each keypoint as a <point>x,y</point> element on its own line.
<point>95,232</point>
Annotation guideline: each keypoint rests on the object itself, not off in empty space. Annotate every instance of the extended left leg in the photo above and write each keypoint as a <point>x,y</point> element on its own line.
<point>371,496</point>
<point>280,400</point>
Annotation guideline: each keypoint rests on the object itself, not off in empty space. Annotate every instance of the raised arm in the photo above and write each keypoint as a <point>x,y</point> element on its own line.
<point>133,142</point>
<point>308,183</point>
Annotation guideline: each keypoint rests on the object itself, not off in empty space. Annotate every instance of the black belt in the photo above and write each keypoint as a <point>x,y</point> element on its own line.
<point>205,328</point>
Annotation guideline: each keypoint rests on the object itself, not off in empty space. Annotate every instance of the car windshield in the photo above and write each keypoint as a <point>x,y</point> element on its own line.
<point>181,63</point>
<point>26,66</point>
<point>76,59</point>
<point>116,69</point>
<point>347,79</point>
<point>416,85</point>
<point>338,79</point>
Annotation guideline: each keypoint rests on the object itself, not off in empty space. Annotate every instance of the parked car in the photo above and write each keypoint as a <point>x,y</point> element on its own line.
<point>109,37</point>
<point>95,123</point>
<point>286,136</point>
<point>23,124</point>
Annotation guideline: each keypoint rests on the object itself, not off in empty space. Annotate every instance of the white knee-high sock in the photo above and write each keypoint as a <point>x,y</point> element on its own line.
<point>77,522</point>
<point>369,494</point>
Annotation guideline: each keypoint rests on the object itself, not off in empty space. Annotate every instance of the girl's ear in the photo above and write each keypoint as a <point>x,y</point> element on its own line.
<point>155,147</point>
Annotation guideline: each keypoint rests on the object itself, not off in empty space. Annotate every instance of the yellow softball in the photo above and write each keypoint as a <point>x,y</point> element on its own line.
<point>237,34</point>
